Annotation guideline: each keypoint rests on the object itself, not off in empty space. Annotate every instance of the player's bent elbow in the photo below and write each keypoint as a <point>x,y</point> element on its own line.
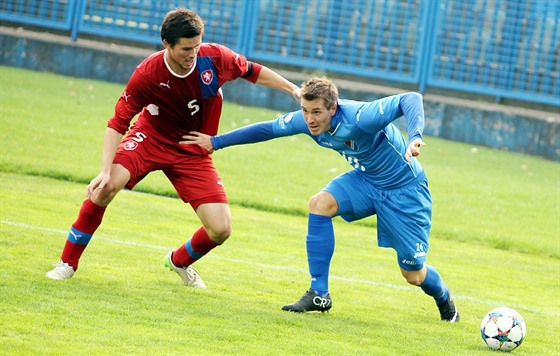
<point>414,95</point>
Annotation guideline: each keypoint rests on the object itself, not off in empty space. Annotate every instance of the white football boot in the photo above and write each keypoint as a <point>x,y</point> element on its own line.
<point>61,271</point>
<point>189,275</point>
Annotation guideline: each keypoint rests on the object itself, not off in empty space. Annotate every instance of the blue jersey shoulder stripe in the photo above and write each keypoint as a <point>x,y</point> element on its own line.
<point>207,76</point>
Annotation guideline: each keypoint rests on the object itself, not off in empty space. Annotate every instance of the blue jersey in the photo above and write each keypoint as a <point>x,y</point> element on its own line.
<point>361,132</point>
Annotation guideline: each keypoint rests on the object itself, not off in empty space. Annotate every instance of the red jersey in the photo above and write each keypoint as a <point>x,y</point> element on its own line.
<point>171,105</point>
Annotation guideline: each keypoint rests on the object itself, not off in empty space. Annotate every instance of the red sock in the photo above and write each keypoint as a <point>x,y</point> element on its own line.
<point>194,249</point>
<point>71,254</point>
<point>89,219</point>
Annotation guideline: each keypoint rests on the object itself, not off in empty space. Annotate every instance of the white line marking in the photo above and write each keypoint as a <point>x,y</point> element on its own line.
<point>284,268</point>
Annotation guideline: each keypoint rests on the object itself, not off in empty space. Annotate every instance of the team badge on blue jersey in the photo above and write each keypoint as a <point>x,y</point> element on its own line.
<point>208,78</point>
<point>351,144</point>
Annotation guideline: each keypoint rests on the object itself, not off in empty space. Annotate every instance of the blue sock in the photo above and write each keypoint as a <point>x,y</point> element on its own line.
<point>320,248</point>
<point>433,285</point>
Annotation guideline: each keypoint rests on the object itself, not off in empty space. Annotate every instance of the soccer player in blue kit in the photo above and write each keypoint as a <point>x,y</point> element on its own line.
<point>386,180</point>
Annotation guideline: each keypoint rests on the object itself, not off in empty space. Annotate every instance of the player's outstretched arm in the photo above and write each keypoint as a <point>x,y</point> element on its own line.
<point>258,132</point>
<point>271,79</point>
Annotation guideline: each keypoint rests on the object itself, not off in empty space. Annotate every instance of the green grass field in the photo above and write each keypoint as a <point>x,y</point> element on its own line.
<point>495,240</point>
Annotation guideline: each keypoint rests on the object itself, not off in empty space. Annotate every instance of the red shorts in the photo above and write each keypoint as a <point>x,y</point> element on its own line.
<point>194,177</point>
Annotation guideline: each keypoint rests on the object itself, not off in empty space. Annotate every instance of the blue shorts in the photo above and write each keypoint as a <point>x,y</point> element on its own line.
<point>404,215</point>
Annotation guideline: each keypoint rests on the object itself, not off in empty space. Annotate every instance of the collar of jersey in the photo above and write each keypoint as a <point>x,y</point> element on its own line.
<point>171,70</point>
<point>335,121</point>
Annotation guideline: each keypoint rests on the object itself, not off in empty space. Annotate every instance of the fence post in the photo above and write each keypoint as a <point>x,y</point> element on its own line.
<point>76,12</point>
<point>426,59</point>
<point>247,27</point>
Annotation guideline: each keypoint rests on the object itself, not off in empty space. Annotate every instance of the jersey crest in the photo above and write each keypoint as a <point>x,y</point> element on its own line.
<point>208,78</point>
<point>351,144</point>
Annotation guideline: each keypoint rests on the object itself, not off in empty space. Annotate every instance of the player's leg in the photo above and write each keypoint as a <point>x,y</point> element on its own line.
<point>320,248</point>
<point>215,229</point>
<point>429,279</point>
<point>197,181</point>
<point>129,167</point>
<point>320,240</point>
<point>88,220</point>
<point>343,196</point>
<point>404,223</point>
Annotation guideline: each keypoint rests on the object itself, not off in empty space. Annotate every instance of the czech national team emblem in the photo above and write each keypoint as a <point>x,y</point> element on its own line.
<point>351,144</point>
<point>207,76</point>
<point>130,145</point>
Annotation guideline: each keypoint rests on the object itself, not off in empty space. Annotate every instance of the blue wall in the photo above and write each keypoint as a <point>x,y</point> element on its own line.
<point>491,125</point>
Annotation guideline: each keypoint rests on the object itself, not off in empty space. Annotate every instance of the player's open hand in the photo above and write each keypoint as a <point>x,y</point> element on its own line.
<point>198,138</point>
<point>413,149</point>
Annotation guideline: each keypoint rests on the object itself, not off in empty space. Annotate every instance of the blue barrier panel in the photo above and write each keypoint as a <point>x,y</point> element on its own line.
<point>140,20</point>
<point>499,48</point>
<point>48,13</point>
<point>503,48</point>
<point>376,39</point>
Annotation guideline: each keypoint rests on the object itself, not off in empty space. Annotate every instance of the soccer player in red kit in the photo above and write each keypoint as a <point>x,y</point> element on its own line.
<point>176,91</point>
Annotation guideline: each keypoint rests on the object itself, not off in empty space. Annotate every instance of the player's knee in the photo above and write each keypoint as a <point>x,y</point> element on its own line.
<point>110,189</point>
<point>104,196</point>
<point>323,203</point>
<point>414,277</point>
<point>414,280</point>
<point>219,233</point>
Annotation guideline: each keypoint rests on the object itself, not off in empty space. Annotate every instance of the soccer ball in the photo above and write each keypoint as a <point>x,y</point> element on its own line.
<point>503,329</point>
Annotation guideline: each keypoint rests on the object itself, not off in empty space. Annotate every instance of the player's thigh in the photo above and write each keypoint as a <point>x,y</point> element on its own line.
<point>196,180</point>
<point>119,176</point>
<point>404,222</point>
<point>355,197</point>
<point>141,156</point>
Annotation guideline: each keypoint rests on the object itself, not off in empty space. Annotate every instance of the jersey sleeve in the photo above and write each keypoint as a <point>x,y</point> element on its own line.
<point>235,65</point>
<point>376,115</point>
<point>131,102</point>
<point>290,124</point>
<point>286,125</point>
<point>412,107</point>
<point>259,132</point>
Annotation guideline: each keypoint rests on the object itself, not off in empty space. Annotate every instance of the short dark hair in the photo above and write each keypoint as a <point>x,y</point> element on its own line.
<point>181,23</point>
<point>320,88</point>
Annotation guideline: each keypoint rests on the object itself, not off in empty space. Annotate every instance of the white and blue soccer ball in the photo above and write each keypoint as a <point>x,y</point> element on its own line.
<point>503,329</point>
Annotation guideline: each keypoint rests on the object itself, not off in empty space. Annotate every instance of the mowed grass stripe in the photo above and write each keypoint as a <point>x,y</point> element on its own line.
<point>59,232</point>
